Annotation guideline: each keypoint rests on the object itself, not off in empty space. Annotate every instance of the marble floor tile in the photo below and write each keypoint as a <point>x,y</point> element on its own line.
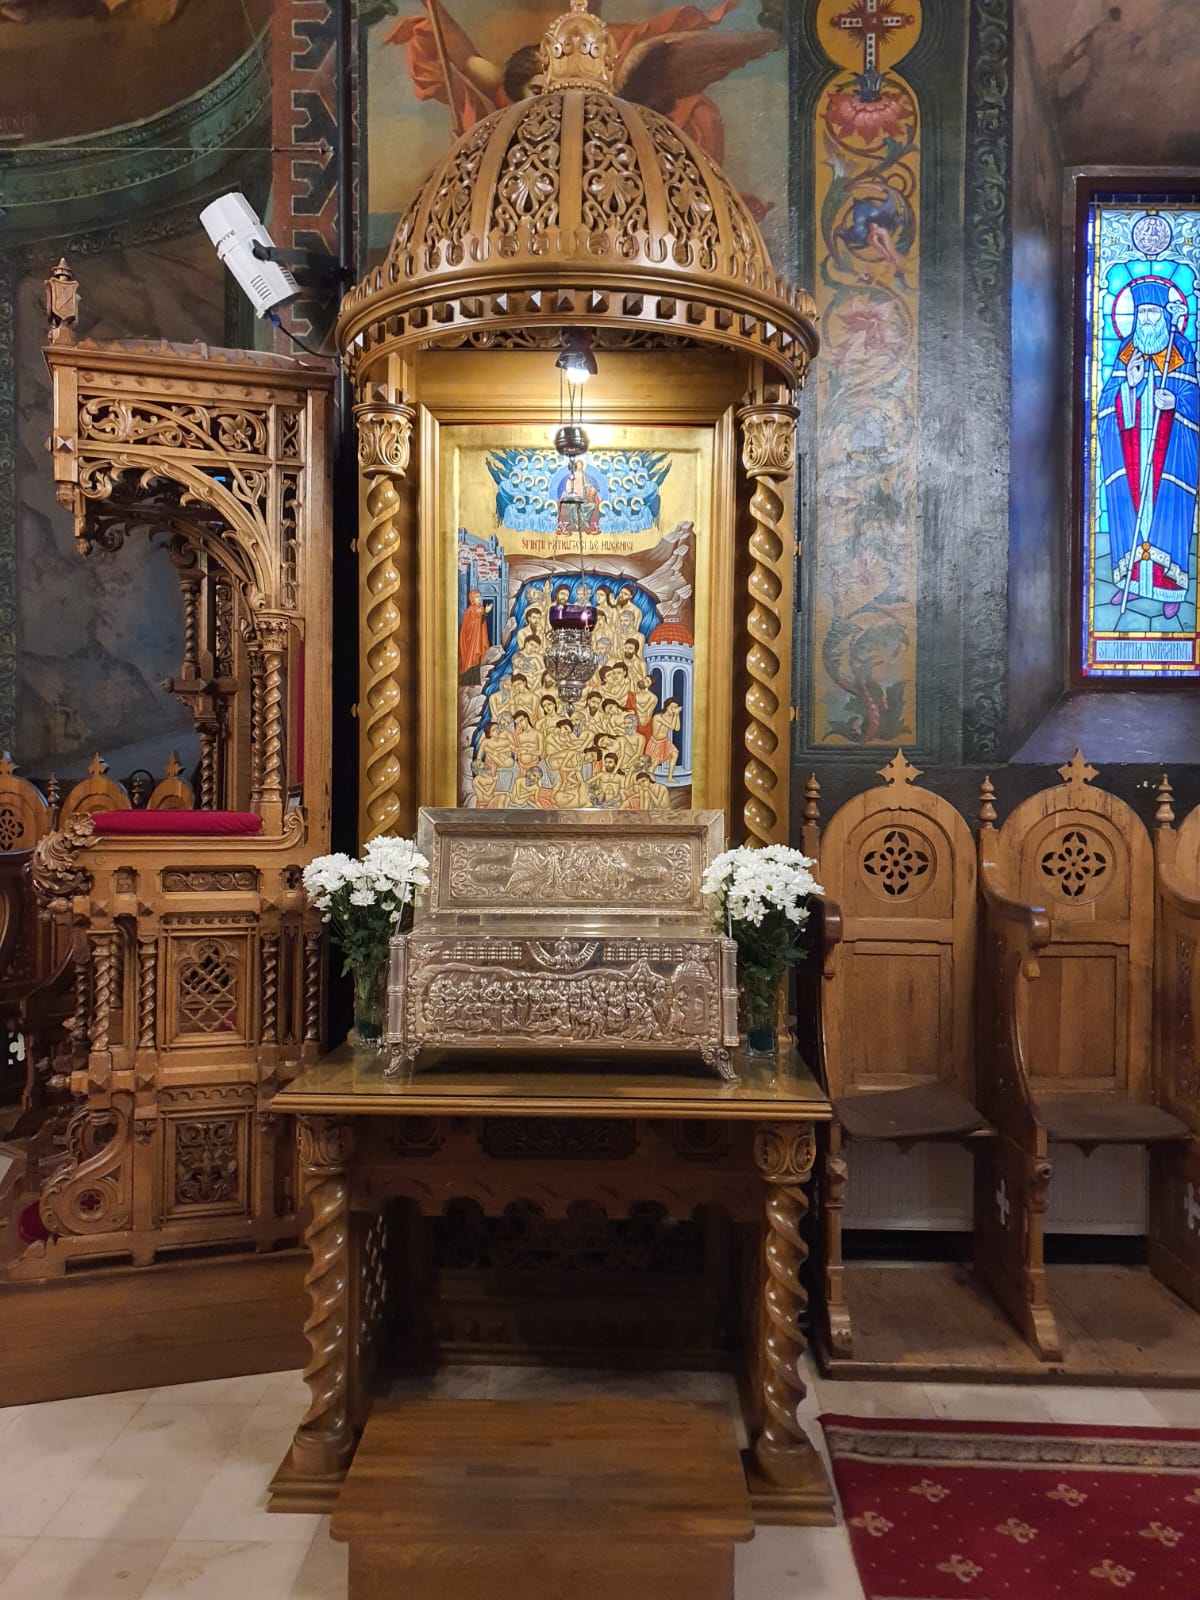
<point>247,1391</point>
<point>84,1569</point>
<point>988,1402</point>
<point>1175,1408</point>
<point>287,1388</point>
<point>47,1452</point>
<point>1106,1407</point>
<point>853,1399</point>
<point>796,1564</point>
<point>233,1503</point>
<point>228,1569</point>
<point>147,1482</point>
<point>325,1574</point>
<point>11,1549</point>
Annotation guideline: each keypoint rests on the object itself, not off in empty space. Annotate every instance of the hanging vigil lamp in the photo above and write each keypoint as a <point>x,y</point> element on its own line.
<point>571,658</point>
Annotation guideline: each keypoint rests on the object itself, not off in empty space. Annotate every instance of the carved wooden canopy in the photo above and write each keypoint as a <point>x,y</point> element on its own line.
<point>224,454</point>
<point>577,208</point>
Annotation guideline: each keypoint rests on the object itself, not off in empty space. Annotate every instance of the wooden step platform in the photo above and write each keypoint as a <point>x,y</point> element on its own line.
<point>921,1320</point>
<point>585,1500</point>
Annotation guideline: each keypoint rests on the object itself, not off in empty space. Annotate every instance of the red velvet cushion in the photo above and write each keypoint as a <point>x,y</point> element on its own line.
<point>159,822</point>
<point>30,1227</point>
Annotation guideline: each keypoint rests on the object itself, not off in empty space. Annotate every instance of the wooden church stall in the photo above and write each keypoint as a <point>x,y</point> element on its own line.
<point>1050,1007</point>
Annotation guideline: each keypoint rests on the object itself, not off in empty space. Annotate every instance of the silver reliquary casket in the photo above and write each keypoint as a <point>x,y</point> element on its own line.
<point>580,933</point>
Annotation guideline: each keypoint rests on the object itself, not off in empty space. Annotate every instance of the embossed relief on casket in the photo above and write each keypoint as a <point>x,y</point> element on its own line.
<point>595,990</point>
<point>631,866</point>
<point>514,874</point>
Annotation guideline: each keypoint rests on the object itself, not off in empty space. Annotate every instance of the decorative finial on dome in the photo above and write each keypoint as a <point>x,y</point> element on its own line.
<point>577,52</point>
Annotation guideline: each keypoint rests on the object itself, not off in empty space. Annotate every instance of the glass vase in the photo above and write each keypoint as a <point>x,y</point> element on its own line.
<point>370,1004</point>
<point>761,1041</point>
<point>758,1009</point>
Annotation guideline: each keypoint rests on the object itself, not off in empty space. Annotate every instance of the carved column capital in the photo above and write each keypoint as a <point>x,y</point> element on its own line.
<point>768,439</point>
<point>784,1152</point>
<point>273,630</point>
<point>326,1143</point>
<point>384,437</point>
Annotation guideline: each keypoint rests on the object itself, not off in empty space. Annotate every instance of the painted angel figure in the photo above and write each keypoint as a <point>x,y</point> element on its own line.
<point>666,63</point>
<point>1149,414</point>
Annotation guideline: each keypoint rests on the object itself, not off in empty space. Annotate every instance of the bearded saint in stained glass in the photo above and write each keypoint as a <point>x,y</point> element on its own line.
<point>1148,422</point>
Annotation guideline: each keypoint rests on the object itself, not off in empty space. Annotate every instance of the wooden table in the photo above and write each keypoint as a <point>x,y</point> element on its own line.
<point>747,1147</point>
<point>596,1499</point>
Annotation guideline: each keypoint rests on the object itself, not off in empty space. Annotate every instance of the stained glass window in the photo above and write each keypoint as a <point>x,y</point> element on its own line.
<point>1141,438</point>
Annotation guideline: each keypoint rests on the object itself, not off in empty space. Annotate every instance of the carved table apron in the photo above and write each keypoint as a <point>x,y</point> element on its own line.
<point>680,1141</point>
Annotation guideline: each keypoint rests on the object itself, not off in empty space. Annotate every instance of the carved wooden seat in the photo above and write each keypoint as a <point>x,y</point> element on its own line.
<point>1174,1244</point>
<point>196,962</point>
<point>1069,895</point>
<point>897,1014</point>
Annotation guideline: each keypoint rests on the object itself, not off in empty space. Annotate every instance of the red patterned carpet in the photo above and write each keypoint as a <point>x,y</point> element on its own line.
<point>1017,1511</point>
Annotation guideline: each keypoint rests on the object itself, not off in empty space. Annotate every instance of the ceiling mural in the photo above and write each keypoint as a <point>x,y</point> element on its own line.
<point>125,60</point>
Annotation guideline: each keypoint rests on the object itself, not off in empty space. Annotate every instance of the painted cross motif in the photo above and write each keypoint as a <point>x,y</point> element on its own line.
<point>873,20</point>
<point>1191,1208</point>
<point>1003,1203</point>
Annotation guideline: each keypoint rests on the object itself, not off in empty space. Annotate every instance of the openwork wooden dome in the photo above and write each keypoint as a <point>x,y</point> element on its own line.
<point>575,207</point>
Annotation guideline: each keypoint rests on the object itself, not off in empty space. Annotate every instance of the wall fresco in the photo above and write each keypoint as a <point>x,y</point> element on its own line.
<point>867,179</point>
<point>434,69</point>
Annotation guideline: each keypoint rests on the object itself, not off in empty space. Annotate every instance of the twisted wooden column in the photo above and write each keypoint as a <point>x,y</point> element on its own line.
<point>324,1441</point>
<point>313,945</point>
<point>147,948</point>
<point>269,1008</point>
<point>384,447</point>
<point>785,1468</point>
<point>255,658</point>
<point>273,635</point>
<point>104,951</point>
<point>768,456</point>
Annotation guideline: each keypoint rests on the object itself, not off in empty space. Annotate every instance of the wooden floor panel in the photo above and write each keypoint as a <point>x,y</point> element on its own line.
<point>932,1321</point>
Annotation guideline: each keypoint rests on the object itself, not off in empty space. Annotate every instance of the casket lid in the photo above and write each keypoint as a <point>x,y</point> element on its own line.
<point>550,872</point>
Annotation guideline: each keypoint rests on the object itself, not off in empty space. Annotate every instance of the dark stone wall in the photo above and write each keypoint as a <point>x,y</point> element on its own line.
<point>1038,525</point>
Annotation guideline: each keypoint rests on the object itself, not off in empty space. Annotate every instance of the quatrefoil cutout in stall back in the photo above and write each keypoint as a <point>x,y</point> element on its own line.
<point>896,864</point>
<point>1075,865</point>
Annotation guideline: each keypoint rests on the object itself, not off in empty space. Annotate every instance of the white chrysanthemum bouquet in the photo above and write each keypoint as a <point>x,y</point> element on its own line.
<point>363,901</point>
<point>762,899</point>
